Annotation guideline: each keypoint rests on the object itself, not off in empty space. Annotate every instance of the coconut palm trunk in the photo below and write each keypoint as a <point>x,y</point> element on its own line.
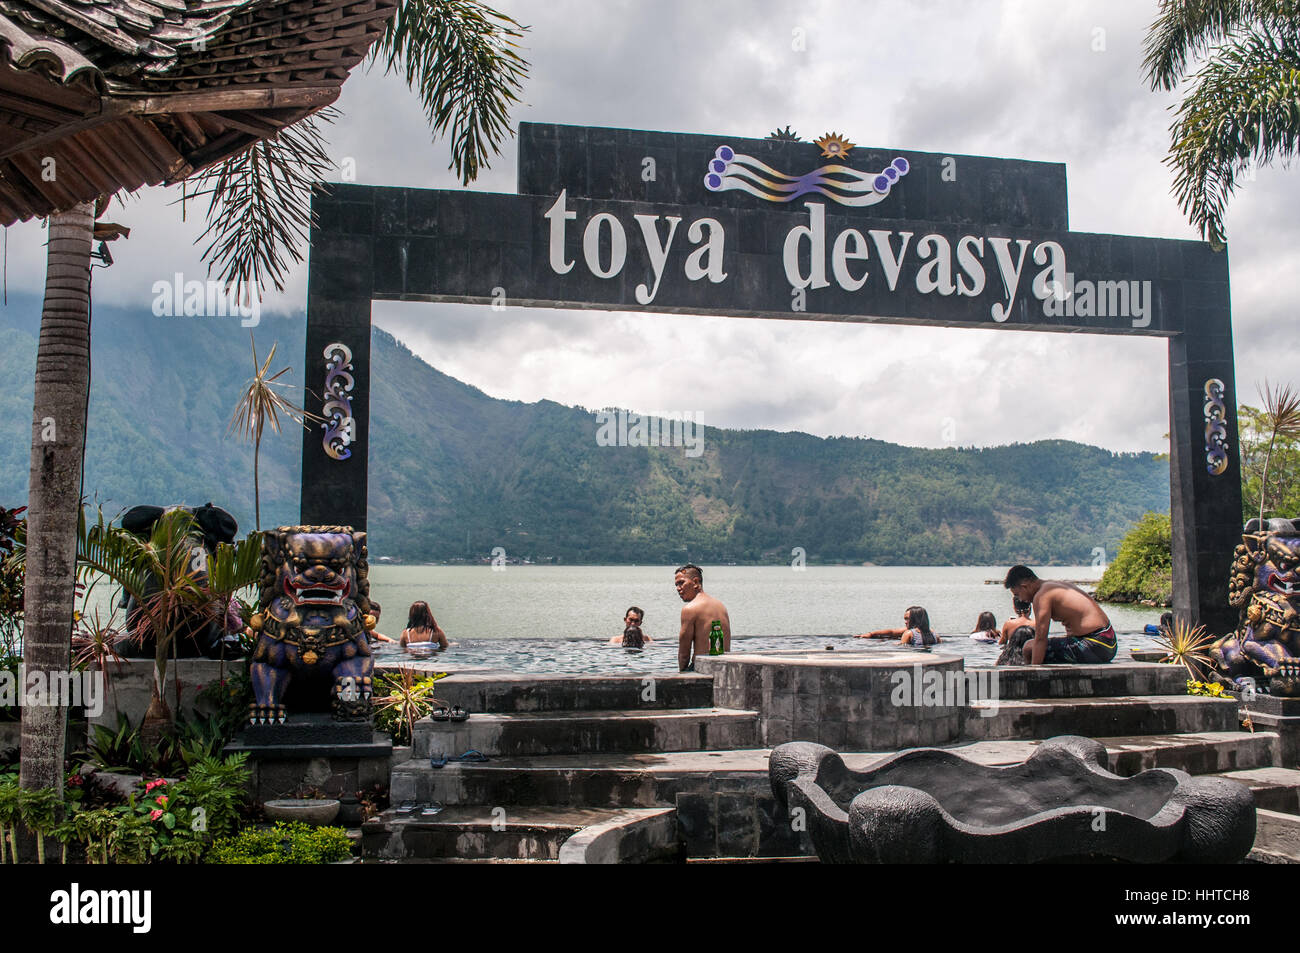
<point>54,490</point>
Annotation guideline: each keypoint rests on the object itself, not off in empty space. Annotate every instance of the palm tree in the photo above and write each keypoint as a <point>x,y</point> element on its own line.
<point>1281,419</point>
<point>1241,109</point>
<point>258,405</point>
<point>461,57</point>
<point>54,484</point>
<point>173,581</point>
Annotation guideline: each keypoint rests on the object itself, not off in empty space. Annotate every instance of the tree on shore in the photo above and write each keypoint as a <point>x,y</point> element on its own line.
<point>1242,106</point>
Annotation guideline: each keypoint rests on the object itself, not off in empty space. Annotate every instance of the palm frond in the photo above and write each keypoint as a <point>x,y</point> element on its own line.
<point>1243,110</point>
<point>1185,30</point>
<point>260,403</point>
<point>461,57</point>
<point>236,567</point>
<point>259,210</point>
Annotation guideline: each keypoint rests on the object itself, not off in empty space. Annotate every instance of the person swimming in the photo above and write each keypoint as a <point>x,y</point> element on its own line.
<point>986,628</point>
<point>421,627</point>
<point>632,620</point>
<point>916,630</point>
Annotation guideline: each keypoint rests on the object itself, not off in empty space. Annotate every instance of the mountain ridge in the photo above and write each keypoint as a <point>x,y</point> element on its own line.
<point>455,473</point>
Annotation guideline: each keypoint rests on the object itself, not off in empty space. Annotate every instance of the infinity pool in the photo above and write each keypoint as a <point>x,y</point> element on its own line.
<point>593,657</point>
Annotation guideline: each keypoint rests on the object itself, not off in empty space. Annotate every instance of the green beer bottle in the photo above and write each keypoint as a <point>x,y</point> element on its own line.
<point>717,642</point>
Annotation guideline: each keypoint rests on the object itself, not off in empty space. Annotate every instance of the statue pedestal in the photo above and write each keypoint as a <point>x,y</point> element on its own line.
<point>313,751</point>
<point>1276,713</point>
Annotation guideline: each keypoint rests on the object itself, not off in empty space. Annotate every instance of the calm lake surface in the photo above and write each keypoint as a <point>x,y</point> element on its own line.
<point>555,618</point>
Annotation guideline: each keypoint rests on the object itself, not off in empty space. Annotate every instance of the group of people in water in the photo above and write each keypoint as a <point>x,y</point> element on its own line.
<point>1089,636</point>
<point>1036,603</point>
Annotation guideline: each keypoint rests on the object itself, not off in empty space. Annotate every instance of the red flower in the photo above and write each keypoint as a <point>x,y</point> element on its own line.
<point>154,815</point>
<point>75,780</point>
<point>154,784</point>
<point>161,799</point>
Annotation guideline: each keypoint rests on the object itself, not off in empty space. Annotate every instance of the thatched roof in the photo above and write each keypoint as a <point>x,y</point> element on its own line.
<point>125,93</point>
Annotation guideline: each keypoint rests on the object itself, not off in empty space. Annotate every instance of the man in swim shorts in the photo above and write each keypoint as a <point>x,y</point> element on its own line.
<point>1089,637</point>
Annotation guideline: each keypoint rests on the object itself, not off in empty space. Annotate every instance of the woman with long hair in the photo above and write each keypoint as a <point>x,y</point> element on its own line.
<point>986,628</point>
<point>422,627</point>
<point>916,629</point>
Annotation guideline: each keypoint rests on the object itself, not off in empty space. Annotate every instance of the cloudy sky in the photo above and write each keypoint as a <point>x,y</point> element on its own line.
<point>1055,81</point>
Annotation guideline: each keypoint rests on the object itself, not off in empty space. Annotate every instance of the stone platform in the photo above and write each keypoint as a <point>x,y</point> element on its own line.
<point>718,803</point>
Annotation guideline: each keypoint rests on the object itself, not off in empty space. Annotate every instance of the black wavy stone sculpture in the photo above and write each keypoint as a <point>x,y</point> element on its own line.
<point>929,805</point>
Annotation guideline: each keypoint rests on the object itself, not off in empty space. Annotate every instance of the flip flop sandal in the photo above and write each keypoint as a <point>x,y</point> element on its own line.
<point>459,714</point>
<point>472,756</point>
<point>431,810</point>
<point>437,761</point>
<point>440,714</point>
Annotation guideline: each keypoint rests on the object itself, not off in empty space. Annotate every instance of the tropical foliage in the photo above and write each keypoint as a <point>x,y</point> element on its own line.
<point>261,403</point>
<point>1143,569</point>
<point>1240,61</point>
<point>284,843</point>
<point>407,700</point>
<point>172,580</point>
<point>176,820</point>
<point>460,56</point>
<point>1270,455</point>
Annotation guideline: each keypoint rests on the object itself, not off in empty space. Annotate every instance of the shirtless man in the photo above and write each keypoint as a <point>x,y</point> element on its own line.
<point>697,617</point>
<point>631,620</point>
<point>1089,637</point>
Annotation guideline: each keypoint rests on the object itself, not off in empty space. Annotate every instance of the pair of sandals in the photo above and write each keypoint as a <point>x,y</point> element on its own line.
<point>456,713</point>
<point>472,756</point>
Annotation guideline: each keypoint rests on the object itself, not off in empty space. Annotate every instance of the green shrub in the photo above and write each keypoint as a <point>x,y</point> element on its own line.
<point>286,843</point>
<point>1143,569</point>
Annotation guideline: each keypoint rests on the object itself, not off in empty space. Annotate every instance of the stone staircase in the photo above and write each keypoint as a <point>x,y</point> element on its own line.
<point>621,768</point>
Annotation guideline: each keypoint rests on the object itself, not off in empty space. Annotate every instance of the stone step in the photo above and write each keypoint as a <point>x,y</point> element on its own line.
<point>575,732</point>
<point>527,833</point>
<point>1275,789</point>
<point>649,780</point>
<point>504,692</point>
<point>1087,681</point>
<point>1098,717</point>
<point>1277,837</point>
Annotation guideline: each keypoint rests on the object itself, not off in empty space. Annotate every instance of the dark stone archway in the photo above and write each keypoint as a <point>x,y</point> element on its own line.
<point>629,220</point>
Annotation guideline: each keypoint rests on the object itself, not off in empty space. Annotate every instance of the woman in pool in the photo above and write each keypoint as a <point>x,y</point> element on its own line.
<point>986,628</point>
<point>916,630</point>
<point>1023,616</point>
<point>422,627</point>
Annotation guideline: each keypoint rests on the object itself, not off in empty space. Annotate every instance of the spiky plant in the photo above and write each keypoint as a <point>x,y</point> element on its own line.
<point>784,135</point>
<point>1282,421</point>
<point>259,404</point>
<point>1188,646</point>
<point>408,700</point>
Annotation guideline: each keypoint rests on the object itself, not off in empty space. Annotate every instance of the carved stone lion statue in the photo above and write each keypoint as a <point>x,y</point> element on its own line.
<point>312,621</point>
<point>1265,586</point>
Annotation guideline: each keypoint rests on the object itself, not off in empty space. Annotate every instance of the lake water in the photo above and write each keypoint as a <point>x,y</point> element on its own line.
<point>556,618</point>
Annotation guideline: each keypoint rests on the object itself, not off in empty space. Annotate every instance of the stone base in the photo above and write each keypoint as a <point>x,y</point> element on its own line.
<point>859,701</point>
<point>312,751</point>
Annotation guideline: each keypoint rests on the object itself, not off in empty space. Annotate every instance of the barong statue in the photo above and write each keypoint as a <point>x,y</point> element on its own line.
<point>1265,586</point>
<point>313,620</point>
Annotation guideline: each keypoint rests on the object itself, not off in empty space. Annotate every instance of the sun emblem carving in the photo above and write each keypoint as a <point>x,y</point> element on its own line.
<point>834,146</point>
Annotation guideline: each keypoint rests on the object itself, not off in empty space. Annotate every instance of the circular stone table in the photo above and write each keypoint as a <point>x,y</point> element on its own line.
<point>850,701</point>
